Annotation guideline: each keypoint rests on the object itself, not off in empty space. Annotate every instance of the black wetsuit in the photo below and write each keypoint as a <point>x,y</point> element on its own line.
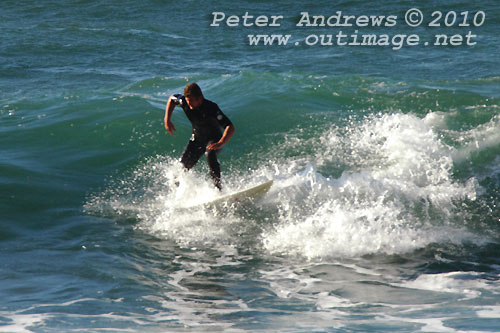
<point>208,121</point>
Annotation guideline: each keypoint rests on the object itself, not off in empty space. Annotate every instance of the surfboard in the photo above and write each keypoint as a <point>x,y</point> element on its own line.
<point>246,195</point>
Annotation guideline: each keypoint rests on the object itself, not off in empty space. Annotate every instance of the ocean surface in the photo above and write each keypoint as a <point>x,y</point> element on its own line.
<point>384,215</point>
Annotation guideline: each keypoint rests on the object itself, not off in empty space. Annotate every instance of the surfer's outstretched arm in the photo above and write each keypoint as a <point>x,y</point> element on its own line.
<point>169,126</point>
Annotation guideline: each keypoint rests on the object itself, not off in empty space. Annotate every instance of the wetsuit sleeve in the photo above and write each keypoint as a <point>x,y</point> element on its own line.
<point>222,118</point>
<point>178,99</point>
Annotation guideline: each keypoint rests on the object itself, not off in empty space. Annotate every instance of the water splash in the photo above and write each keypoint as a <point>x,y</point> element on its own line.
<point>396,194</point>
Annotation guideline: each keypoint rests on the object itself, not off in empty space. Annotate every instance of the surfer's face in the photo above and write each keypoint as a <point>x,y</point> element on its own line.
<point>194,102</point>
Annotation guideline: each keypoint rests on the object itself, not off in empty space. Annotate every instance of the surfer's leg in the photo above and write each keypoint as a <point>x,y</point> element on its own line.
<point>191,154</point>
<point>214,166</point>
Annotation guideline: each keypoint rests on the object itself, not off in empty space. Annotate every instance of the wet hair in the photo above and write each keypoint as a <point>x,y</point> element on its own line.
<point>193,90</point>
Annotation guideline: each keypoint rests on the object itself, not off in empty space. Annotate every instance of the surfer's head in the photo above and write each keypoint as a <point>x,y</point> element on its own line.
<point>193,94</point>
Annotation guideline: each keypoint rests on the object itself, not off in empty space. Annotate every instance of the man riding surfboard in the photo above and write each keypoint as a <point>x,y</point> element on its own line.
<point>211,129</point>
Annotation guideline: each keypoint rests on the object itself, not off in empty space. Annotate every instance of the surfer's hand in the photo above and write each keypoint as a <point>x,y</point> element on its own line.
<point>169,126</point>
<point>215,146</point>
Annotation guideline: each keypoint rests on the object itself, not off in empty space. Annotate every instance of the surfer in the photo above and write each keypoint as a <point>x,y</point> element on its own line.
<point>211,129</point>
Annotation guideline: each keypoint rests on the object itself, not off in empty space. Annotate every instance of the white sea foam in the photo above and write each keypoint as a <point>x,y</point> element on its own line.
<point>478,139</point>
<point>428,302</point>
<point>397,195</point>
<point>157,194</point>
<point>437,119</point>
<point>23,320</point>
<point>468,284</point>
<point>489,311</point>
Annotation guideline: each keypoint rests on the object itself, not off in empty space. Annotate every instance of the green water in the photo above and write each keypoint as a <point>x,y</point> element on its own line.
<point>384,211</point>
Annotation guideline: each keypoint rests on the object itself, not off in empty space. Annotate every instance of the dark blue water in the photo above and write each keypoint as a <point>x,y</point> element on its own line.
<point>384,211</point>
